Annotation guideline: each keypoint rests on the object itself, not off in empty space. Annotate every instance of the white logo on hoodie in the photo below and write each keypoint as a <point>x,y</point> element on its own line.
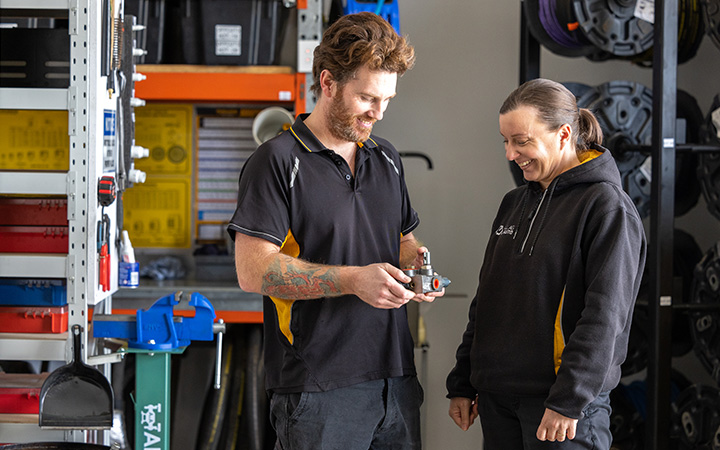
<point>502,229</point>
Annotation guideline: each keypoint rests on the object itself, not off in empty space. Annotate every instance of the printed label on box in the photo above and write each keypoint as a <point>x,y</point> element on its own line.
<point>228,40</point>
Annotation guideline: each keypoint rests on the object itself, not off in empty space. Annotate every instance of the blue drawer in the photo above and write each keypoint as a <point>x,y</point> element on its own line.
<point>32,292</point>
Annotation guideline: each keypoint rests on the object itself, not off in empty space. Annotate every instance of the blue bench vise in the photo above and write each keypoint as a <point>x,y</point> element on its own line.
<point>157,328</point>
<point>153,335</point>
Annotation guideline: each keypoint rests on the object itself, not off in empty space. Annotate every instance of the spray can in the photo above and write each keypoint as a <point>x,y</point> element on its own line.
<point>129,270</point>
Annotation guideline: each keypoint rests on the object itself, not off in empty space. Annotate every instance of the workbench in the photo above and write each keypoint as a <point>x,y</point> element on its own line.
<point>231,303</point>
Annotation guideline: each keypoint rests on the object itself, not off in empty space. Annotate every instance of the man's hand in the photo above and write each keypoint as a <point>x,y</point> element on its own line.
<point>379,286</point>
<point>463,411</point>
<point>556,427</point>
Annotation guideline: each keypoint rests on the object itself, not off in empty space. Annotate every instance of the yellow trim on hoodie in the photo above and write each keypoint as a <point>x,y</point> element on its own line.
<point>559,340</point>
<point>589,155</point>
<point>283,307</point>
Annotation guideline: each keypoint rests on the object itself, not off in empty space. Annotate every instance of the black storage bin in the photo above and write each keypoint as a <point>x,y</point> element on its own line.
<point>183,33</point>
<point>151,14</point>
<point>35,57</point>
<point>242,32</point>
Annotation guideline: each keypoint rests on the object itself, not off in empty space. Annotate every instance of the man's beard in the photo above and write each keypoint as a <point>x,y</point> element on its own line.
<point>343,124</point>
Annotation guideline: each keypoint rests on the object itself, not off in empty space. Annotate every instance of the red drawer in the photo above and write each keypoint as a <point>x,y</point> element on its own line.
<point>20,392</point>
<point>33,319</point>
<point>33,239</point>
<point>33,211</point>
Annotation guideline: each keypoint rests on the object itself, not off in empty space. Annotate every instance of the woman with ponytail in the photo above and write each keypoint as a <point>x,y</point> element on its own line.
<point>548,328</point>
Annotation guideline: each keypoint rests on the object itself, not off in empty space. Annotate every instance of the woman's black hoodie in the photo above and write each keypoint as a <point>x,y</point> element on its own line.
<point>557,287</point>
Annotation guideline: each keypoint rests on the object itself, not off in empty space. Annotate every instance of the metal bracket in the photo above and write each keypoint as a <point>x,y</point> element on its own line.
<point>110,358</point>
<point>70,277</point>
<point>72,110</point>
<point>73,17</point>
<point>70,190</point>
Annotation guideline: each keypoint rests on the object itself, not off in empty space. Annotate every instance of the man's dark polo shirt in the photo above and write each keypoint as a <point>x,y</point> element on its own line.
<point>302,197</point>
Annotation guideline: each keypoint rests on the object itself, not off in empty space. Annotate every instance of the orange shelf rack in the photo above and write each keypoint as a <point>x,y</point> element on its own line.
<point>192,83</point>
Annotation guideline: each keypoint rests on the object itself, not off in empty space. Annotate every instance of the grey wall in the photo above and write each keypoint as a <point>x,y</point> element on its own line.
<point>468,57</point>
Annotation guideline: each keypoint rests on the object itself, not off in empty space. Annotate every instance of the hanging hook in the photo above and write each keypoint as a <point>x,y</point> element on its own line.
<point>418,155</point>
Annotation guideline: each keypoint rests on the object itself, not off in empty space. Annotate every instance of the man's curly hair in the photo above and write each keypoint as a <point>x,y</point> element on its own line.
<point>355,40</point>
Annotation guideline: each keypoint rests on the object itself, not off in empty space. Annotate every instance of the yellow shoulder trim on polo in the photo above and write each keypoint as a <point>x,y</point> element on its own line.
<point>283,307</point>
<point>559,340</point>
<point>300,140</point>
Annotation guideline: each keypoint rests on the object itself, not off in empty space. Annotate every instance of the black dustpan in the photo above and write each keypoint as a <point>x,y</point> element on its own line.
<point>76,396</point>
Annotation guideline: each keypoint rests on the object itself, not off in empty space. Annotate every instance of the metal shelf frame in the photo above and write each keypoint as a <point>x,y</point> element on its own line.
<point>34,183</point>
<point>33,265</point>
<point>49,347</point>
<point>86,101</point>
<point>662,218</point>
<point>38,4</point>
<point>29,98</point>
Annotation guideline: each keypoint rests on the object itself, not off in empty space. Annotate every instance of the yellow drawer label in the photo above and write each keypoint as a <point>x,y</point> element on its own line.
<point>34,140</point>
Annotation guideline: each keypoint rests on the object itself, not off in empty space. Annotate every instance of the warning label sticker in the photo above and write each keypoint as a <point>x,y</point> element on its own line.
<point>228,40</point>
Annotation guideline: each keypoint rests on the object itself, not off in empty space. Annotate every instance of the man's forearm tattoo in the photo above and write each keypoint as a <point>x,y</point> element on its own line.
<point>292,281</point>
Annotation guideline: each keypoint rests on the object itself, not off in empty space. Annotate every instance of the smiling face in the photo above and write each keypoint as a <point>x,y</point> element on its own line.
<point>359,103</point>
<point>542,154</point>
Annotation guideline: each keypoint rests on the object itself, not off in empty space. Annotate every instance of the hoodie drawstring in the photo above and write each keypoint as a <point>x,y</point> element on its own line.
<point>551,191</point>
<point>522,212</point>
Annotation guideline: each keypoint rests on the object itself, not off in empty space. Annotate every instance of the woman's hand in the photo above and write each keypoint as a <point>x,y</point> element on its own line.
<point>556,427</point>
<point>463,411</point>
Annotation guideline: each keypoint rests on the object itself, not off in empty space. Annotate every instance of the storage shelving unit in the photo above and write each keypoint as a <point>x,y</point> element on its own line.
<point>242,84</point>
<point>86,101</point>
<point>228,85</point>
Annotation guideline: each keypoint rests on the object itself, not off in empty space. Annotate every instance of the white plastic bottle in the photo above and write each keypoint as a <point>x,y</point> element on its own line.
<point>128,253</point>
<point>129,273</point>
